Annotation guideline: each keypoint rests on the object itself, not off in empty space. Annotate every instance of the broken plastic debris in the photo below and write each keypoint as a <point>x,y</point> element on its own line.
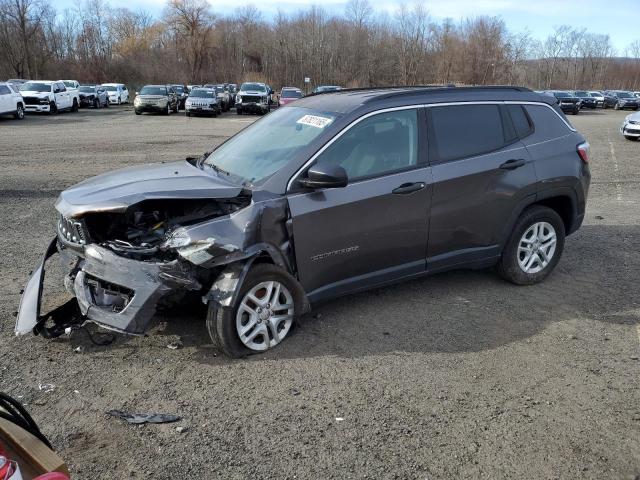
<point>138,418</point>
<point>46,387</point>
<point>174,345</point>
<point>339,419</point>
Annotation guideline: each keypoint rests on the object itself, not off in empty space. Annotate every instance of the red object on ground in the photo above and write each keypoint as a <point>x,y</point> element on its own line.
<point>52,476</point>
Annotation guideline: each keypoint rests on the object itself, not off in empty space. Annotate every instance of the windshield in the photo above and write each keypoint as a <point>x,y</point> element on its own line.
<point>582,94</point>
<point>179,88</point>
<point>35,87</point>
<point>201,93</point>
<point>88,89</point>
<point>70,84</point>
<point>267,145</point>
<point>153,90</point>
<point>253,87</point>
<point>291,94</point>
<point>111,88</point>
<point>596,94</point>
<point>562,94</point>
<point>625,95</point>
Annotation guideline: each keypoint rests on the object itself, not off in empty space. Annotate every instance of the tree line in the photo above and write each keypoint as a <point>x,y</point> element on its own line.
<point>359,47</point>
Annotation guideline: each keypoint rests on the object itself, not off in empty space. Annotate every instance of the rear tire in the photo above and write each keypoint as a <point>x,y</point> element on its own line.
<point>518,249</point>
<point>222,323</point>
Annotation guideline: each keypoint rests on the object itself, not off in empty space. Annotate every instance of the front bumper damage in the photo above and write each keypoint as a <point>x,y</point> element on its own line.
<point>122,293</point>
<point>115,292</point>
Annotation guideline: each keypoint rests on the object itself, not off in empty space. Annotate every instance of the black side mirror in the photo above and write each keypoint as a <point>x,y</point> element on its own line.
<point>325,176</point>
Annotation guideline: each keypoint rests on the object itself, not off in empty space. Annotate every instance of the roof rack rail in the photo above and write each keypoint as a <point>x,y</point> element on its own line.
<point>397,90</point>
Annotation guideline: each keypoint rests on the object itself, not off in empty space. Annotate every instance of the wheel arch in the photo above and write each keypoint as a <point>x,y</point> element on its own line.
<point>563,200</point>
<point>226,286</point>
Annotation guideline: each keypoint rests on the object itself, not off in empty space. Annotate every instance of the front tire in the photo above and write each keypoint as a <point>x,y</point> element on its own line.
<point>633,139</point>
<point>53,108</point>
<point>19,115</point>
<point>264,313</point>
<point>534,248</point>
<point>138,112</point>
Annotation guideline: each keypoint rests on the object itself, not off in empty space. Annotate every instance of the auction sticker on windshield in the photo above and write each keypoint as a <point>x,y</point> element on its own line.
<point>315,121</point>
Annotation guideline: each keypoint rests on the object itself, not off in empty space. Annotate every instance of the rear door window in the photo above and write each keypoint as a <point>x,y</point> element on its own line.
<point>547,122</point>
<point>463,131</point>
<point>4,90</point>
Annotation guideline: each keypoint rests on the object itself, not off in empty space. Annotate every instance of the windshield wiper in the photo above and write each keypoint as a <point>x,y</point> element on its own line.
<point>218,169</point>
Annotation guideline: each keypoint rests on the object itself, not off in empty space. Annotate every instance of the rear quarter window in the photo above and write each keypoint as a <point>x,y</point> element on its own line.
<point>547,123</point>
<point>520,120</point>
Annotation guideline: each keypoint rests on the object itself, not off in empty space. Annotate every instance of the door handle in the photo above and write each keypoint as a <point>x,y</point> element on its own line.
<point>407,188</point>
<point>513,164</point>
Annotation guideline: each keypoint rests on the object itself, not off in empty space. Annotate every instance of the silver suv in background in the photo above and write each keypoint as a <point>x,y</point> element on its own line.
<point>203,101</point>
<point>332,195</point>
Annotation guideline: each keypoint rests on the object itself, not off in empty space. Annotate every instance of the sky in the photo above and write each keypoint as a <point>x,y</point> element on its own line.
<point>539,17</point>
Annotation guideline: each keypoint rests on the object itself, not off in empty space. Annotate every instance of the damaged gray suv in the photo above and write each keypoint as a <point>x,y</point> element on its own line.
<point>337,193</point>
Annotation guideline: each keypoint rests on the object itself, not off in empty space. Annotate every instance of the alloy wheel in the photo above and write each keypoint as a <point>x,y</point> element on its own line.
<point>265,315</point>
<point>537,247</point>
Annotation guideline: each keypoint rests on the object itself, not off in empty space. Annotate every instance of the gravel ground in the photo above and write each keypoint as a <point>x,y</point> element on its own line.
<point>459,375</point>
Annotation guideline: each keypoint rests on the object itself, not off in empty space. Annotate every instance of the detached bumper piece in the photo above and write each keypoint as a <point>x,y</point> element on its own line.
<point>54,323</point>
<point>115,292</point>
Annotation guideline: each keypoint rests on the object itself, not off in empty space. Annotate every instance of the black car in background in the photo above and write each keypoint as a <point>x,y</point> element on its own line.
<point>621,100</point>
<point>568,102</point>
<point>586,99</point>
<point>156,98</point>
<point>95,96</point>
<point>182,93</point>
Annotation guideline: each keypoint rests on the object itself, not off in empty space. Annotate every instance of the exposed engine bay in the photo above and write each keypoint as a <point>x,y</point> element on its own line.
<point>142,230</point>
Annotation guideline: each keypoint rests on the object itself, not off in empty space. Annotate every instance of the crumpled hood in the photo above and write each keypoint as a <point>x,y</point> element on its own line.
<point>116,191</point>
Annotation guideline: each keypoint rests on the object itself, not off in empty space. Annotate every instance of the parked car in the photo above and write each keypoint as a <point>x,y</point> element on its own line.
<point>567,101</point>
<point>233,91</point>
<point>11,102</point>
<point>182,93</point>
<point>224,96</point>
<point>347,198</point>
<point>586,99</point>
<point>17,81</point>
<point>203,101</point>
<point>631,127</point>
<point>326,88</point>
<point>118,93</point>
<point>288,95</point>
<point>156,99</point>
<point>71,84</point>
<point>624,100</point>
<point>253,97</point>
<point>93,96</point>
<point>48,96</point>
<point>599,96</point>
<point>636,94</point>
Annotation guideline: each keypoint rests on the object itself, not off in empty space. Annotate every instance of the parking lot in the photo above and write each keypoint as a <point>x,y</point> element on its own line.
<point>459,375</point>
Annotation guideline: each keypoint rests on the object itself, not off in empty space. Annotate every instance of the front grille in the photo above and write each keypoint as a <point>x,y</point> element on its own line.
<point>31,100</point>
<point>250,98</point>
<point>72,231</point>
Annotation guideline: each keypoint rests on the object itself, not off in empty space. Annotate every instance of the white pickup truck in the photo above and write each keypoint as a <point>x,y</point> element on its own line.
<point>48,96</point>
<point>11,102</point>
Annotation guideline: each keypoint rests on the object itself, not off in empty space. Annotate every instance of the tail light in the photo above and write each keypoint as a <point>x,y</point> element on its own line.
<point>583,151</point>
